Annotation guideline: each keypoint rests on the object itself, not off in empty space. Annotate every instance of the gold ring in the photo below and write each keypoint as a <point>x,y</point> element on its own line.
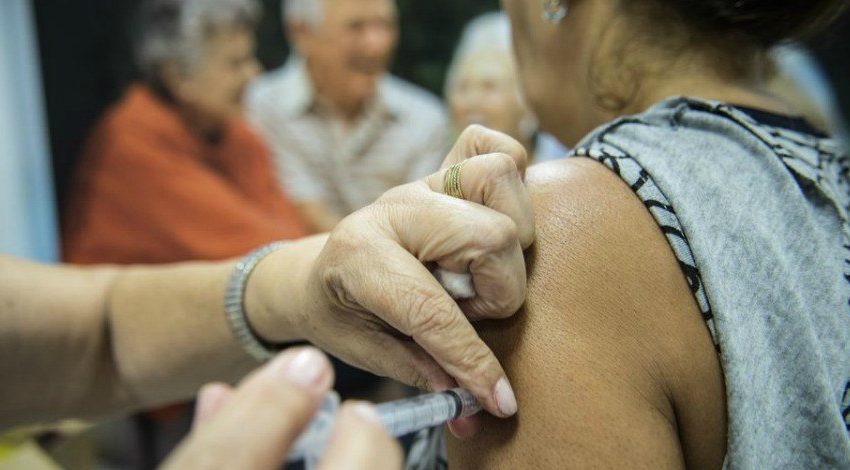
<point>452,181</point>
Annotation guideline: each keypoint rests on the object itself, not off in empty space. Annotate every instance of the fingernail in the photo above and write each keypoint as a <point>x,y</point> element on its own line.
<point>305,367</point>
<point>464,428</point>
<point>367,412</point>
<point>505,398</point>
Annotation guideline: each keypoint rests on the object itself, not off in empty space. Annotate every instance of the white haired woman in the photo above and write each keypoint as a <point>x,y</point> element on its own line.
<point>482,87</point>
<point>172,172</point>
<point>173,161</point>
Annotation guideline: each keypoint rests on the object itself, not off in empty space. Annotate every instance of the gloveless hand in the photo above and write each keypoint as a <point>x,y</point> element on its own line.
<point>373,302</point>
<point>255,425</point>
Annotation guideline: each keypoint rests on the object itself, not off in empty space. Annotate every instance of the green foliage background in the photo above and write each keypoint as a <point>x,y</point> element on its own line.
<point>430,30</point>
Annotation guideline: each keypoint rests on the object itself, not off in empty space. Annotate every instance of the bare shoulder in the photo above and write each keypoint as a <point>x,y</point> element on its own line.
<point>611,361</point>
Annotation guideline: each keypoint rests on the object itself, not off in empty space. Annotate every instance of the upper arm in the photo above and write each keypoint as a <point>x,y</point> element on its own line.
<point>610,359</point>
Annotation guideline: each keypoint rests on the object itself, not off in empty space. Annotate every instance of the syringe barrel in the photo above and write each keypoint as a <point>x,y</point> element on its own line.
<point>406,416</point>
<point>469,405</point>
<point>400,418</point>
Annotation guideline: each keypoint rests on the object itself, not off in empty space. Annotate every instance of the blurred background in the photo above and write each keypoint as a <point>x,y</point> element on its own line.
<point>86,54</point>
<point>85,60</point>
<point>64,62</point>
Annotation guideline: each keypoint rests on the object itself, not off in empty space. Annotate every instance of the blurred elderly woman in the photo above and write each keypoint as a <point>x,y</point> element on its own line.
<point>482,87</point>
<point>172,172</point>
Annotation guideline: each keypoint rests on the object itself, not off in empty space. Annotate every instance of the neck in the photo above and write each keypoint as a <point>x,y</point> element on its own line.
<point>653,92</point>
<point>710,89</point>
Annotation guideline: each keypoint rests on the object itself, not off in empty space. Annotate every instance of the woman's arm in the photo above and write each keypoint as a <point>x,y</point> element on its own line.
<point>612,362</point>
<point>81,342</point>
<point>84,342</point>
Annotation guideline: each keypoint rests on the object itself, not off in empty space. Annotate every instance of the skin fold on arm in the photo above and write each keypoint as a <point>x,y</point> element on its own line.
<point>611,361</point>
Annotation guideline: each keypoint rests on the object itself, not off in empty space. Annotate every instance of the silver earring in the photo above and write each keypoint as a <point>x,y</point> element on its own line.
<point>554,11</point>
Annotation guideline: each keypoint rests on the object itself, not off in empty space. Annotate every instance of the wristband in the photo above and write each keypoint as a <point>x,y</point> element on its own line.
<point>234,305</point>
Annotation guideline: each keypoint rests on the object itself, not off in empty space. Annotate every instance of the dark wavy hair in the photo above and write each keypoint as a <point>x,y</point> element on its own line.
<point>764,22</point>
<point>734,35</point>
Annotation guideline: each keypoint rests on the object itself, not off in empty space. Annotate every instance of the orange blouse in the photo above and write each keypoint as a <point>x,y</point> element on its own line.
<point>149,191</point>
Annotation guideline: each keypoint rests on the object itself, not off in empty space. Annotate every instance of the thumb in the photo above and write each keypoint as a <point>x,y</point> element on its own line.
<point>359,441</point>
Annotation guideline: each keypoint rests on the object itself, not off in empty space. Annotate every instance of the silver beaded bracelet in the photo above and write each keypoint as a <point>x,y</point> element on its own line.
<point>234,305</point>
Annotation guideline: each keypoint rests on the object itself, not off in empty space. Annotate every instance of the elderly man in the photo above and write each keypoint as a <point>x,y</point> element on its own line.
<point>342,129</point>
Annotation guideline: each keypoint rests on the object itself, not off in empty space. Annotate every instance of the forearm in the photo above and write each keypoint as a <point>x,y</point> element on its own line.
<point>169,330</point>
<point>281,282</point>
<point>87,342</point>
<point>54,352</point>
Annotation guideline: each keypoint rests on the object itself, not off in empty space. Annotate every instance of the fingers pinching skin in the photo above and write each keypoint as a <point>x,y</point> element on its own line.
<point>262,418</point>
<point>416,305</point>
<point>359,441</point>
<point>498,277</point>
<point>374,265</point>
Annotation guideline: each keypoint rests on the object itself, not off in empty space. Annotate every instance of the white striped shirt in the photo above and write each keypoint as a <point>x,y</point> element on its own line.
<point>401,136</point>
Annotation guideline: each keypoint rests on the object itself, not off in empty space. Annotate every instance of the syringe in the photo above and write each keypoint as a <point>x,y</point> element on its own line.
<point>399,417</point>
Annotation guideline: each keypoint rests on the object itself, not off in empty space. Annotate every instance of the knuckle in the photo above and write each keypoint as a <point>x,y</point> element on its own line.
<point>519,153</point>
<point>500,305</point>
<point>508,305</point>
<point>500,166</point>
<point>528,232</point>
<point>477,360</point>
<point>474,131</point>
<point>396,194</point>
<point>431,313</point>
<point>345,237</point>
<point>502,234</point>
<point>332,282</point>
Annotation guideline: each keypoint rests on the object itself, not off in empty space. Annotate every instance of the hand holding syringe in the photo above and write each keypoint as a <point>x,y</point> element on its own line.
<point>399,418</point>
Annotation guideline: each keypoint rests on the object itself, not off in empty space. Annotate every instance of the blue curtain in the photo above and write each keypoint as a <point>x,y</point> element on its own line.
<point>28,223</point>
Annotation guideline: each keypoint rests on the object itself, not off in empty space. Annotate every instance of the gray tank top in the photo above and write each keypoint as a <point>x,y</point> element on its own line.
<point>755,208</point>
